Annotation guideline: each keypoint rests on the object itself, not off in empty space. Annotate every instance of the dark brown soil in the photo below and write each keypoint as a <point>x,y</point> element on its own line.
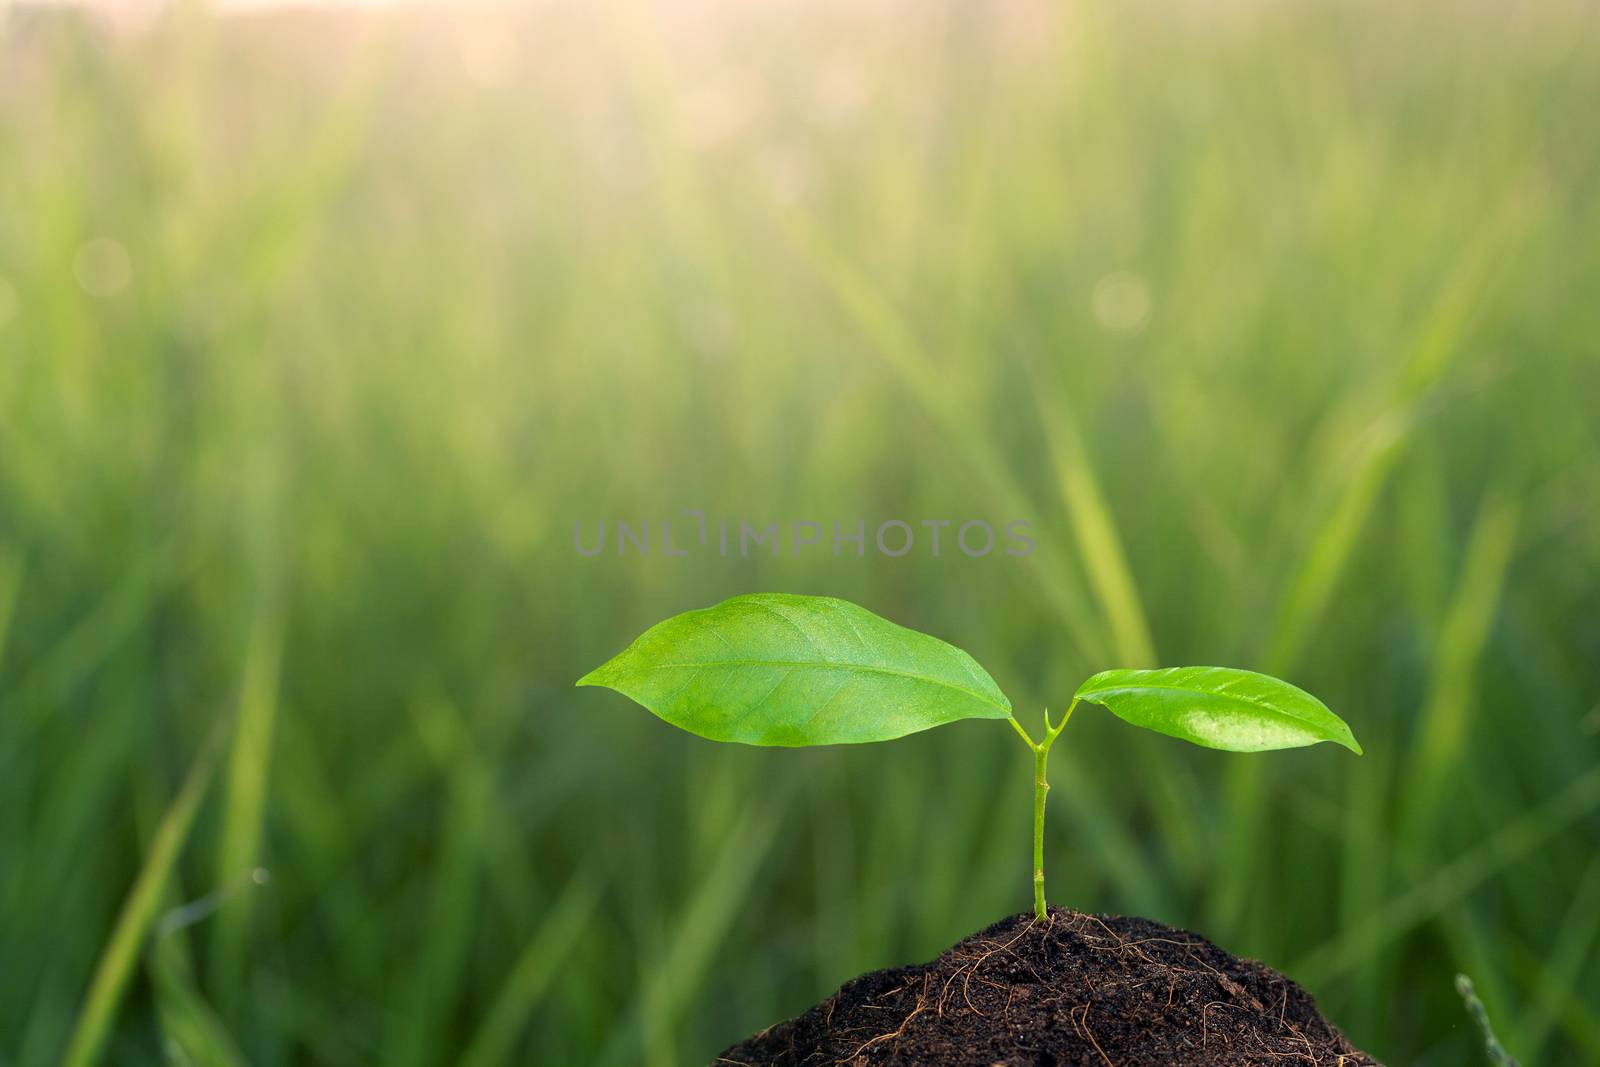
<point>1098,990</point>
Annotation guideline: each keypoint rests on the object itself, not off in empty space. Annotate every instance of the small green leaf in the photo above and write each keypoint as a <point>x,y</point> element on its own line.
<point>1219,707</point>
<point>782,669</point>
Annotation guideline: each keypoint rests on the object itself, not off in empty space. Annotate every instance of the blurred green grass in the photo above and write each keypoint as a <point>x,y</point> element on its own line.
<point>318,332</point>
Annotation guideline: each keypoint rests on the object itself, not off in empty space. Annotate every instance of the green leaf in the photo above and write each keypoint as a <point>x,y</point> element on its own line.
<point>1219,707</point>
<point>782,669</point>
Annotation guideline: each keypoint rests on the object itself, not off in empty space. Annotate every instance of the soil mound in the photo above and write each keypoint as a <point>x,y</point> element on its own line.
<point>1098,990</point>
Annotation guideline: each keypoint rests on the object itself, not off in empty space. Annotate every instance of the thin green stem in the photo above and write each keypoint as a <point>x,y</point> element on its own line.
<point>1041,786</point>
<point>1017,726</point>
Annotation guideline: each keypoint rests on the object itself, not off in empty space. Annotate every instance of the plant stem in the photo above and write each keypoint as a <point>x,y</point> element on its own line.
<point>1041,786</point>
<point>1022,733</point>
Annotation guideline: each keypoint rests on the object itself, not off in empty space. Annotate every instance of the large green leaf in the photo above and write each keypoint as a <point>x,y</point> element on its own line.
<point>781,669</point>
<point>1219,707</point>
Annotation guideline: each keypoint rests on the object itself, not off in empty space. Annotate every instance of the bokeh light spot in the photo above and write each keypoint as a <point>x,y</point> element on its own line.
<point>1121,302</point>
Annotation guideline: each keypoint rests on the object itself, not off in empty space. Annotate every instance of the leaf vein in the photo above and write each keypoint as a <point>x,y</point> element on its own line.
<point>824,666</point>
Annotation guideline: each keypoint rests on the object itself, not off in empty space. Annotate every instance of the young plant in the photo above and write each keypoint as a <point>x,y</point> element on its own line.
<point>782,669</point>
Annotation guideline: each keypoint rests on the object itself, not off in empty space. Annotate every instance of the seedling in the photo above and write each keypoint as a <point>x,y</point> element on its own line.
<point>781,669</point>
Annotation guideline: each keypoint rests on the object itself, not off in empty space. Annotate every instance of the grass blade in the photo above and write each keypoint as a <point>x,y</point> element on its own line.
<point>248,765</point>
<point>1442,731</point>
<point>562,926</point>
<point>139,910</point>
<point>417,1031</point>
<point>1451,882</point>
<point>1099,545</point>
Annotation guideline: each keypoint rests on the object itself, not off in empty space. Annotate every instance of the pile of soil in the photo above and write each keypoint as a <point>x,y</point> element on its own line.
<point>1098,990</point>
